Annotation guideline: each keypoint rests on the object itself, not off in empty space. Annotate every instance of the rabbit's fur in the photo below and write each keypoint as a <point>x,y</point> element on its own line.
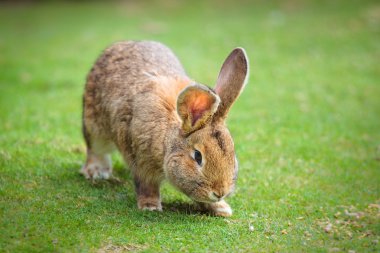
<point>139,100</point>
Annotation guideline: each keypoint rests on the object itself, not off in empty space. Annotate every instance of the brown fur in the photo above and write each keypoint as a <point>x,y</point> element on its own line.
<point>139,100</point>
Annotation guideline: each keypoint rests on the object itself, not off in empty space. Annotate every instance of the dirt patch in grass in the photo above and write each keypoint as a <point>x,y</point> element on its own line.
<point>130,247</point>
<point>350,222</point>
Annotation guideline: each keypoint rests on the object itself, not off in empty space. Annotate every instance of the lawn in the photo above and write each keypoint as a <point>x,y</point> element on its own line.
<point>306,128</point>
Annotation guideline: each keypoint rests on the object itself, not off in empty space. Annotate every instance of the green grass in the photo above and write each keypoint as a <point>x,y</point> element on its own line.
<point>306,129</point>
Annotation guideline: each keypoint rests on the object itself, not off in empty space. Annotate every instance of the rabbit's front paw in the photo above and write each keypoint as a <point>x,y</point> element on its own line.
<point>150,204</point>
<point>220,208</point>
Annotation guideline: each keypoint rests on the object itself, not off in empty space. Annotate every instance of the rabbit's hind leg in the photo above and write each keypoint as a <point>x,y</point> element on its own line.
<point>98,163</point>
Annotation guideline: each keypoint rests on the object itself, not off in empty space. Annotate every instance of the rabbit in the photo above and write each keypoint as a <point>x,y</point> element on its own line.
<point>139,100</point>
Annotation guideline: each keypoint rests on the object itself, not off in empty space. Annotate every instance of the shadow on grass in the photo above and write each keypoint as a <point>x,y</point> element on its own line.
<point>182,208</point>
<point>177,207</point>
<point>121,185</point>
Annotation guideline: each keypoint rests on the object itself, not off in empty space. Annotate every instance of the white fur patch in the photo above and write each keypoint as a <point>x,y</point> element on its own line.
<point>223,210</point>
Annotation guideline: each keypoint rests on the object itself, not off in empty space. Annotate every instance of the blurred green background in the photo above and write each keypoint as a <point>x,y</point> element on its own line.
<point>306,128</point>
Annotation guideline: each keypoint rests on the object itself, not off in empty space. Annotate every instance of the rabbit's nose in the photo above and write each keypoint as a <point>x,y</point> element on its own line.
<point>217,196</point>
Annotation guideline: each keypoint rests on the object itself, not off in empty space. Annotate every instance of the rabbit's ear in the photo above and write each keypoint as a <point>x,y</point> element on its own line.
<point>231,80</point>
<point>196,104</point>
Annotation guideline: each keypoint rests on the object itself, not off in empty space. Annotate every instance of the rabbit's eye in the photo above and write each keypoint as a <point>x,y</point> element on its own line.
<point>198,157</point>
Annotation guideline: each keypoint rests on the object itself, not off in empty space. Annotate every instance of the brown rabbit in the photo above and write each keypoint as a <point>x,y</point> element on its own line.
<point>139,100</point>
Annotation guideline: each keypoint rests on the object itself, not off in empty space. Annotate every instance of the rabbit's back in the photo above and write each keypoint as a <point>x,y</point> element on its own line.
<point>126,64</point>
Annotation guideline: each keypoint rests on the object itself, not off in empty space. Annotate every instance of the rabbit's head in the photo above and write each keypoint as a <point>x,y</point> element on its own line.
<point>201,162</point>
